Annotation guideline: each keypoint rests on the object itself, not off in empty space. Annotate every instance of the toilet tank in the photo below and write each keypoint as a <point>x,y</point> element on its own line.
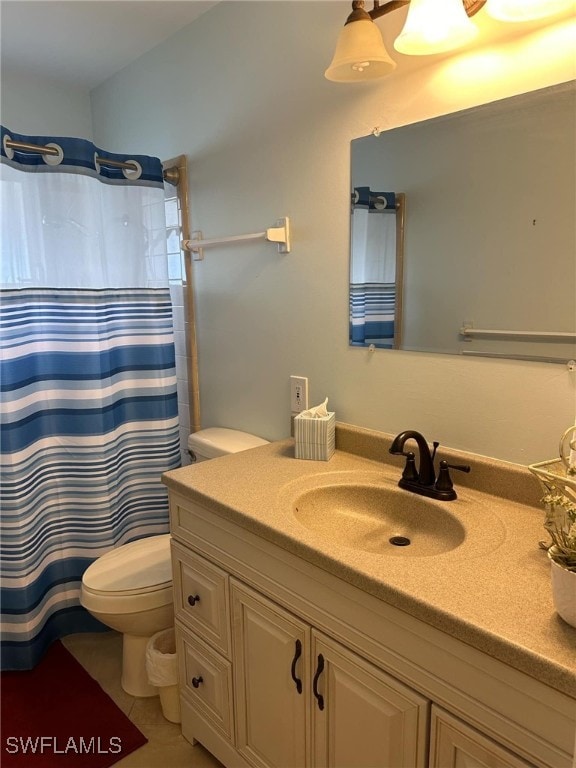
<point>218,441</point>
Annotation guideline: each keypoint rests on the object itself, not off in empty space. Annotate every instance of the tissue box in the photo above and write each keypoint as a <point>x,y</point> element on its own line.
<point>315,438</point>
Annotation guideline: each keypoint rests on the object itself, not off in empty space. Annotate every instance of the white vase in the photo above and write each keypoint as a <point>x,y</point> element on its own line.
<point>563,591</point>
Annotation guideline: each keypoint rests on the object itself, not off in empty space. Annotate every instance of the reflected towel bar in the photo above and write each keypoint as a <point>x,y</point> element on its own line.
<point>468,330</point>
<point>279,234</point>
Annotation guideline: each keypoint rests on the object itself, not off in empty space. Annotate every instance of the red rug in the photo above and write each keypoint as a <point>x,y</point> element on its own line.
<point>57,716</point>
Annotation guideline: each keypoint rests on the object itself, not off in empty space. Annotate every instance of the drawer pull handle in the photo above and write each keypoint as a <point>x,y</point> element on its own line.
<point>193,599</point>
<point>196,681</point>
<point>319,670</point>
<point>297,654</point>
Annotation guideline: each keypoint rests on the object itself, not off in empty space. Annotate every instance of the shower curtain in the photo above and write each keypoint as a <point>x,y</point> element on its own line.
<point>89,413</point>
<point>373,268</point>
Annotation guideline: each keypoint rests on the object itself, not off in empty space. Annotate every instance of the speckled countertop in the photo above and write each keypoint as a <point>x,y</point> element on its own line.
<point>491,591</point>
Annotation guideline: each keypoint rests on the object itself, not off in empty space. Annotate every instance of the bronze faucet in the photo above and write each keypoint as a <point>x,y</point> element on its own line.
<point>423,480</point>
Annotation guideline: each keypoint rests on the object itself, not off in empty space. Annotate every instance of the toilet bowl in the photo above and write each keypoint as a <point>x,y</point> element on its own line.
<point>130,588</point>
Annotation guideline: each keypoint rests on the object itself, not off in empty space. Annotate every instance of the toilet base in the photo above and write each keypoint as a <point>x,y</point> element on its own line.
<point>134,676</point>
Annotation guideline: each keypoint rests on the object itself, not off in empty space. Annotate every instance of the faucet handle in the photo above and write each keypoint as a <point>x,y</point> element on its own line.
<point>444,482</point>
<point>460,467</point>
<point>410,472</point>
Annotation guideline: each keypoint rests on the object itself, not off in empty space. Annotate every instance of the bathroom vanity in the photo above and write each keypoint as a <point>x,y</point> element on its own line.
<point>305,638</point>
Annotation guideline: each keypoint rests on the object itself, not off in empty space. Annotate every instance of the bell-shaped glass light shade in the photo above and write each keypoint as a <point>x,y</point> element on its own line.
<point>525,10</point>
<point>435,26</point>
<point>360,54</point>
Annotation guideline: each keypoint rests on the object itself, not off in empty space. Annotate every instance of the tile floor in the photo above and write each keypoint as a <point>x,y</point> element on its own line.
<point>100,654</point>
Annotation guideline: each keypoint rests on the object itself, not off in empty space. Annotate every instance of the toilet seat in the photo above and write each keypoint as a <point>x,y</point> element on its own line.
<point>133,577</point>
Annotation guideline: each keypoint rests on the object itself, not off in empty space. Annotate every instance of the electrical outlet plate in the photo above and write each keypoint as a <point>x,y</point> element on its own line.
<point>298,393</point>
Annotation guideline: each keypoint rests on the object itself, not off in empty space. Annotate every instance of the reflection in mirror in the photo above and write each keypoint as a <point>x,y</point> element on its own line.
<point>376,242</point>
<point>489,240</point>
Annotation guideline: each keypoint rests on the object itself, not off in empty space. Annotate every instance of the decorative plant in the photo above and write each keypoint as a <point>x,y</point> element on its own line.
<point>560,523</point>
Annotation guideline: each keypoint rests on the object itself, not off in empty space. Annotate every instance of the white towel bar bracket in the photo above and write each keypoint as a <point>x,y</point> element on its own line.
<point>279,234</point>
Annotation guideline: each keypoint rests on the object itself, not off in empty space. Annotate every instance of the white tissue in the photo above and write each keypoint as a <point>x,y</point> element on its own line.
<point>317,412</point>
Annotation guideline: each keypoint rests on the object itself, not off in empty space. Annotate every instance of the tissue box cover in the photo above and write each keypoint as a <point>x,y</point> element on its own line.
<point>315,438</point>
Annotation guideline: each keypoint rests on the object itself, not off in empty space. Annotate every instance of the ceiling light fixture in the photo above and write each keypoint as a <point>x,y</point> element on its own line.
<point>360,52</point>
<point>432,26</point>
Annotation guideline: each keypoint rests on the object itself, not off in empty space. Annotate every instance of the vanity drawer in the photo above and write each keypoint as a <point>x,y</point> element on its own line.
<point>201,598</point>
<point>205,681</point>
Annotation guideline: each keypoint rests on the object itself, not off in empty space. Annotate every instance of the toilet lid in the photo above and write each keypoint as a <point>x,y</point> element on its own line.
<point>140,566</point>
<point>213,442</point>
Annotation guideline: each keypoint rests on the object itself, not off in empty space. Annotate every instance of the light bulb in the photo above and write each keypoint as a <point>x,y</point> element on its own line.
<point>434,26</point>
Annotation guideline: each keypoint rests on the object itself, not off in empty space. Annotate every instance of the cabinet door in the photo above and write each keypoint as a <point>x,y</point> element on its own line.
<point>271,661</point>
<point>362,717</point>
<point>456,745</point>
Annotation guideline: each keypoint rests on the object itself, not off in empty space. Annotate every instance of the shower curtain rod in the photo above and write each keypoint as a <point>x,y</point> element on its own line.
<point>171,175</point>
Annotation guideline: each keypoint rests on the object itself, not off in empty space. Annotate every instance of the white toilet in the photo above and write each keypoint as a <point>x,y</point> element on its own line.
<point>130,588</point>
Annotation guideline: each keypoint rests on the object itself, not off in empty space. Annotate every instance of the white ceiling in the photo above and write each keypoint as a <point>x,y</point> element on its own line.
<point>83,42</point>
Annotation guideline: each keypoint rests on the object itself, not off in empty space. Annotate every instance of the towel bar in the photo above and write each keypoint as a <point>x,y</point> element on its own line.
<point>468,330</point>
<point>279,234</point>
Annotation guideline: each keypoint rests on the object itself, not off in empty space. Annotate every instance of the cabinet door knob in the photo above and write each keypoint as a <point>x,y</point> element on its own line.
<point>319,670</point>
<point>193,599</point>
<point>196,681</point>
<point>297,654</point>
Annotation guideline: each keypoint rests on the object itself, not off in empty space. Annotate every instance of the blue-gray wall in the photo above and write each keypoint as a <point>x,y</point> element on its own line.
<point>33,104</point>
<point>242,93</point>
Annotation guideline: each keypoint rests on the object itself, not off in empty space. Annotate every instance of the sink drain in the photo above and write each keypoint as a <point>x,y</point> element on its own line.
<point>400,541</point>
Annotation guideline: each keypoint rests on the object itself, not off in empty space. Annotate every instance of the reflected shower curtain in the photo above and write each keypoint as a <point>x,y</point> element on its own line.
<point>373,268</point>
<point>88,414</point>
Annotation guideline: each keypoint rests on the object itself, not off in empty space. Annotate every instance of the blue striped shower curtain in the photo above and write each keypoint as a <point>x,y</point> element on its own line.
<point>373,268</point>
<point>89,413</point>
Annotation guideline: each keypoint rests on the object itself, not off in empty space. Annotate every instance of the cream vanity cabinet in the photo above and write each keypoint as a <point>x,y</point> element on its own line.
<point>283,665</point>
<point>295,689</point>
<point>360,716</point>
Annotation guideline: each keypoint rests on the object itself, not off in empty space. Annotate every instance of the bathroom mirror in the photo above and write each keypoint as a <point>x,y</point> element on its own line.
<point>489,252</point>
